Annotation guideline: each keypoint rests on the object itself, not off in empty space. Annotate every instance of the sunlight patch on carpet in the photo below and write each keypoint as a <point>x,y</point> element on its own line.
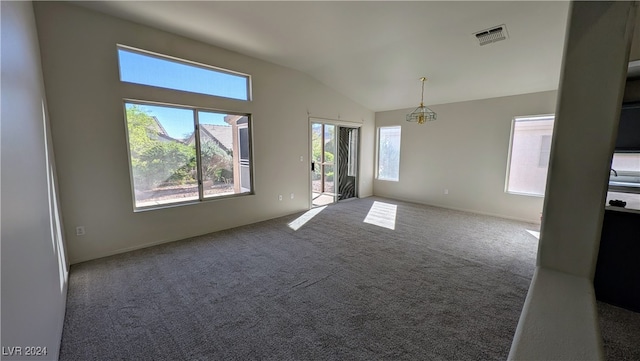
<point>382,215</point>
<point>303,219</point>
<point>534,233</point>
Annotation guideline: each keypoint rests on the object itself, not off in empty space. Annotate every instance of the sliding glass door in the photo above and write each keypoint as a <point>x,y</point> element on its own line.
<point>334,162</point>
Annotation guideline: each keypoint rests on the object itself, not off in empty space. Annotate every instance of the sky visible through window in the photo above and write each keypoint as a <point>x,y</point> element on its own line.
<point>155,71</point>
<point>178,122</point>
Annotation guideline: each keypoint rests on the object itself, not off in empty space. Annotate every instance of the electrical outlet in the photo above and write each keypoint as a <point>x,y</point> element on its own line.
<point>279,197</point>
<point>446,191</point>
<point>80,231</point>
<point>302,158</point>
<point>291,195</point>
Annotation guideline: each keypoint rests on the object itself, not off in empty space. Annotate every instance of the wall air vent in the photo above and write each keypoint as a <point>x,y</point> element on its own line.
<point>492,35</point>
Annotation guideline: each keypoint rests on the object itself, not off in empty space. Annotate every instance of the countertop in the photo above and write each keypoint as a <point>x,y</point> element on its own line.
<point>632,199</point>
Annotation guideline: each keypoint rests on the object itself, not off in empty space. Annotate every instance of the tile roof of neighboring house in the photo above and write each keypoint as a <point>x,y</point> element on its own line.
<point>160,129</point>
<point>161,134</point>
<point>221,134</point>
<point>166,138</point>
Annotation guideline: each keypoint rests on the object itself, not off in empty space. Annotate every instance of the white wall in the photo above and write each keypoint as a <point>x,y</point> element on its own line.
<point>465,151</point>
<point>85,96</point>
<point>34,271</point>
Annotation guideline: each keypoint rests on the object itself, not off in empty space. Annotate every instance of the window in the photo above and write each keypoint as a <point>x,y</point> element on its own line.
<point>529,155</point>
<point>183,153</point>
<point>389,153</point>
<point>140,67</point>
<point>625,172</point>
<point>172,162</point>
<point>624,179</point>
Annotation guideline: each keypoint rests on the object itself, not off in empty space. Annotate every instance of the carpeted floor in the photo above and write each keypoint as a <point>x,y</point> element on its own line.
<point>440,285</point>
<point>620,330</point>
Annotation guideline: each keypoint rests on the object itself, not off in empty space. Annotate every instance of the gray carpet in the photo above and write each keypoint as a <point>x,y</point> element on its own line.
<point>443,285</point>
<point>620,332</point>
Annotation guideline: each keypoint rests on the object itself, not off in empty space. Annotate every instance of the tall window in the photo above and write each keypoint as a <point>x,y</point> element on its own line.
<point>389,153</point>
<point>182,153</point>
<point>529,155</point>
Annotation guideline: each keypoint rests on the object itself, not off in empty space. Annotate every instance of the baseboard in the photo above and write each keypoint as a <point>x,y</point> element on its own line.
<point>535,221</point>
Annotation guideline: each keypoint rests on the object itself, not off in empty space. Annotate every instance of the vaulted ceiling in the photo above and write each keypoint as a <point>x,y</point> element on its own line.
<point>375,52</point>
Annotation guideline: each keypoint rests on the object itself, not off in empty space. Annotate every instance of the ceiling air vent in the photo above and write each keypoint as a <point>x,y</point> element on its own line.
<point>492,35</point>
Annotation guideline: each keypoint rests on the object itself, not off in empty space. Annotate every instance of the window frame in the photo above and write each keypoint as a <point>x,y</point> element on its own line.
<point>379,138</point>
<point>540,117</point>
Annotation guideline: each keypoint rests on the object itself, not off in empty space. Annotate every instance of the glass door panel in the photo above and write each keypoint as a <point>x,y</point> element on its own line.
<point>323,154</point>
<point>316,179</point>
<point>329,144</point>
<point>329,179</point>
<point>316,142</point>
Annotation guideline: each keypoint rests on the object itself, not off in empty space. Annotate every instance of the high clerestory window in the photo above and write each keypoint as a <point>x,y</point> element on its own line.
<point>185,153</point>
<point>145,68</point>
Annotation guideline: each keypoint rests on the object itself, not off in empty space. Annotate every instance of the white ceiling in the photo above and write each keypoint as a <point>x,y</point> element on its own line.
<point>375,52</point>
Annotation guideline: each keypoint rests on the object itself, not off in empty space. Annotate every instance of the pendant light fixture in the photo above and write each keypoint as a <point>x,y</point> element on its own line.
<point>422,113</point>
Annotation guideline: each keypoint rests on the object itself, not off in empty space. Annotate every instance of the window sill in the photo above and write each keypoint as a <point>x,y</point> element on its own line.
<point>526,194</point>
<point>189,202</point>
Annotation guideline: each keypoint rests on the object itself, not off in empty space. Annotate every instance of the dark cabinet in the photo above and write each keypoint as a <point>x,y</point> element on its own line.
<point>617,278</point>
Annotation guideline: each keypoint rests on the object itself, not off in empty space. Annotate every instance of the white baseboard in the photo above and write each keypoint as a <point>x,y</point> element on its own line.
<point>535,221</point>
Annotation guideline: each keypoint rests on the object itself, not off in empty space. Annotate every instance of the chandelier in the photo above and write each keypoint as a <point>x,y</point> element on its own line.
<point>422,113</point>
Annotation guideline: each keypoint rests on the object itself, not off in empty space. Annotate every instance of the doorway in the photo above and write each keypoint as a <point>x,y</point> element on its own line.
<point>334,163</point>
